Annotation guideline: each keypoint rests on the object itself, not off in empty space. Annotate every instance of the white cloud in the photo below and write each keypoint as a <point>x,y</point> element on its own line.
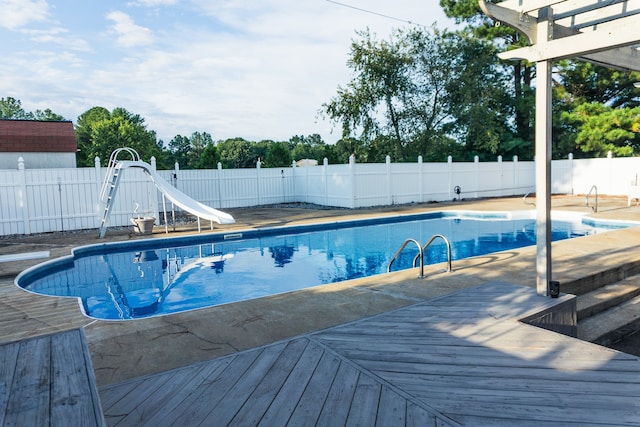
<point>254,69</point>
<point>153,2</point>
<point>59,36</point>
<point>16,14</point>
<point>128,33</point>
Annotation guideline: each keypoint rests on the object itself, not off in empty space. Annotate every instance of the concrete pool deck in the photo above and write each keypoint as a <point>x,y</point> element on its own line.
<point>123,350</point>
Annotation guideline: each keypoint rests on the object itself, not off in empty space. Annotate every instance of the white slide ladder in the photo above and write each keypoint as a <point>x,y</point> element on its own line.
<point>110,184</point>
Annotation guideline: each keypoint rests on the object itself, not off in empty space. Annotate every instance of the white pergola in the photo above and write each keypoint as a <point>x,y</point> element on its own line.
<point>605,32</point>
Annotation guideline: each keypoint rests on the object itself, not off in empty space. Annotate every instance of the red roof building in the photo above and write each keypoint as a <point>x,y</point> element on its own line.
<point>42,144</point>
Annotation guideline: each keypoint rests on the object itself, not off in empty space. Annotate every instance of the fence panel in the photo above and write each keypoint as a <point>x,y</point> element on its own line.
<point>404,183</point>
<point>525,178</point>
<point>201,185</point>
<point>12,203</point>
<point>588,172</point>
<point>562,177</point>
<point>489,176</point>
<point>508,171</point>
<point>371,185</point>
<point>436,182</point>
<point>274,186</point>
<point>44,200</point>
<point>315,182</point>
<point>464,175</point>
<point>239,188</point>
<point>340,186</point>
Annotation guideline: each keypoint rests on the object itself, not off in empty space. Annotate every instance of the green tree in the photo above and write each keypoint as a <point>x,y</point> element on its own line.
<point>199,142</point>
<point>478,101</point>
<point>308,147</point>
<point>236,153</point>
<point>11,108</point>
<point>580,86</point>
<point>420,90</point>
<point>259,150</point>
<point>278,155</point>
<point>99,133</point>
<point>602,128</point>
<point>180,147</point>
<point>47,116</point>
<point>84,134</point>
<point>209,158</point>
<point>349,146</point>
<point>521,73</point>
<point>374,102</point>
<point>587,82</point>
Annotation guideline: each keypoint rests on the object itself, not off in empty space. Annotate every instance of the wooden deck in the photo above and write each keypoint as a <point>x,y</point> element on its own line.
<point>463,359</point>
<point>48,381</point>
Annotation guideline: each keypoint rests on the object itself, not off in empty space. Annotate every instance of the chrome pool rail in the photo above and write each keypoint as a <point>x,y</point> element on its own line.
<point>593,208</point>
<point>420,256</point>
<point>524,198</point>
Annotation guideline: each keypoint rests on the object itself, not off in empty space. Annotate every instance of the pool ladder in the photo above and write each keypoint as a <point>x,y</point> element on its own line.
<point>593,208</point>
<point>421,249</point>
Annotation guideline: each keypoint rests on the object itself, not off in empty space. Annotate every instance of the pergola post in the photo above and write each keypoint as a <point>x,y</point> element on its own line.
<point>543,177</point>
<point>543,158</point>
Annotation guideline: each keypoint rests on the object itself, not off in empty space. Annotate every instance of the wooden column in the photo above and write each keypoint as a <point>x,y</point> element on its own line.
<point>543,159</point>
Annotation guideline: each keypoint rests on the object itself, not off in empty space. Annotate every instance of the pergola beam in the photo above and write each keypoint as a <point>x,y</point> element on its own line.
<point>625,58</point>
<point>617,34</point>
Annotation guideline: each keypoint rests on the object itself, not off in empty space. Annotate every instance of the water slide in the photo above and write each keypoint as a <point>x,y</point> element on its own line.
<point>177,197</point>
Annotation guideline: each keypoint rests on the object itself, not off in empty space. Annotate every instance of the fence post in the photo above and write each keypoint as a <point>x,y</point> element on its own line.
<point>502,194</point>
<point>610,188</point>
<point>352,176</point>
<point>99,180</point>
<point>153,200</point>
<point>306,180</point>
<point>294,175</point>
<point>22,196</point>
<point>174,178</point>
<point>219,184</point>
<point>450,173</point>
<point>571,170</point>
<point>325,178</point>
<point>421,180</point>
<point>515,175</point>
<point>476,161</point>
<point>389,191</point>
<point>258,167</point>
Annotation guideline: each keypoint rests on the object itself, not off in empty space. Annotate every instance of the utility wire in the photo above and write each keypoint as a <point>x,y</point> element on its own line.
<point>373,13</point>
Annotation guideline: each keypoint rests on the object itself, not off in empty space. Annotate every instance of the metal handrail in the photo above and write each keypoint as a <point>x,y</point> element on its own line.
<point>404,245</point>
<point>524,199</point>
<point>420,256</point>
<point>595,209</point>
<point>113,161</point>
<point>446,241</point>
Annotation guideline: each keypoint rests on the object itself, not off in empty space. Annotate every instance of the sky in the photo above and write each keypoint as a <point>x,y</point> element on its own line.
<point>259,70</point>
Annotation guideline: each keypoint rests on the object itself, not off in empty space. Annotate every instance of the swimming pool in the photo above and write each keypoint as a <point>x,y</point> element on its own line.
<point>130,280</point>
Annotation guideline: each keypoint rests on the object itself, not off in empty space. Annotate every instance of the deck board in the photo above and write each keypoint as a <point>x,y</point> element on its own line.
<point>307,411</point>
<point>463,359</point>
<point>48,380</point>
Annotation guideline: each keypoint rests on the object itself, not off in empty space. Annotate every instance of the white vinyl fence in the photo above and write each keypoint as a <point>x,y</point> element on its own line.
<point>45,200</point>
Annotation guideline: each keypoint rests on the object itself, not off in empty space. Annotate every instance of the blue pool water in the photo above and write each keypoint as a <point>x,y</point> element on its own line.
<point>159,276</point>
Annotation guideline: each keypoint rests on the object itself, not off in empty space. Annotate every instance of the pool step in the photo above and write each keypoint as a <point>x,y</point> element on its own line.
<point>610,313</point>
<point>585,284</point>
